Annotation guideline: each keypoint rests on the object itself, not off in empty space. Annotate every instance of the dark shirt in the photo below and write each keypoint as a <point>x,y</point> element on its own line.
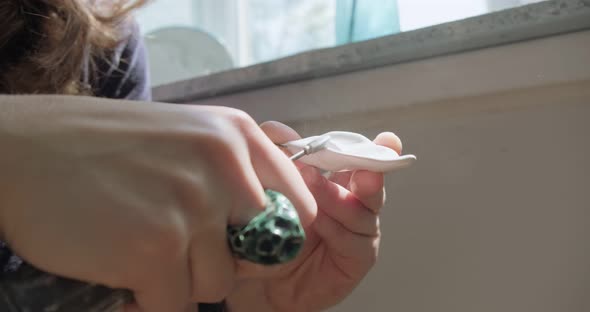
<point>125,73</point>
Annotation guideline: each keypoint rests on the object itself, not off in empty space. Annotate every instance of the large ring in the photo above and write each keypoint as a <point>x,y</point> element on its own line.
<point>274,236</point>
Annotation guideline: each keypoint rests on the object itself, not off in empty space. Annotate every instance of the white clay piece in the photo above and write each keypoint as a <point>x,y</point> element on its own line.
<point>346,151</point>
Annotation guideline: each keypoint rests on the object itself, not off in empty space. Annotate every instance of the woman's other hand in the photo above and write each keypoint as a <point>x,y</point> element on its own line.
<point>342,243</point>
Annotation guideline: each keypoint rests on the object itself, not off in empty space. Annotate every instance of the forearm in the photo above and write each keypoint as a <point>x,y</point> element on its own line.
<point>36,288</point>
<point>19,114</point>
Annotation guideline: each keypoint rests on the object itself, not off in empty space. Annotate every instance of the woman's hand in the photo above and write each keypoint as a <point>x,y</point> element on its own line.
<point>342,243</point>
<point>136,195</point>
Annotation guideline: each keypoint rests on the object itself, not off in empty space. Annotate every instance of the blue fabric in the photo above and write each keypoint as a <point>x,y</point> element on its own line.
<point>125,74</point>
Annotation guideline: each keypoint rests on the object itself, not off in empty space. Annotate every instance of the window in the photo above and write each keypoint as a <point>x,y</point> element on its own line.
<point>244,32</point>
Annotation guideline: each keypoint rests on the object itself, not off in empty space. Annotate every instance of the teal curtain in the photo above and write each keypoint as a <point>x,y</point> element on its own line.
<point>358,20</point>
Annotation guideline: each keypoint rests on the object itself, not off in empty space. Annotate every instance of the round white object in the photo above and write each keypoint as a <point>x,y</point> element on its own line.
<point>180,53</point>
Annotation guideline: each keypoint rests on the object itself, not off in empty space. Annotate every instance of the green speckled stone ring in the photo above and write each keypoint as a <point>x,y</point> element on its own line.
<point>274,236</point>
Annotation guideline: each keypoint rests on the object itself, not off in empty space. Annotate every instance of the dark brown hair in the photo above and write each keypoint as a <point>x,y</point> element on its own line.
<point>45,44</point>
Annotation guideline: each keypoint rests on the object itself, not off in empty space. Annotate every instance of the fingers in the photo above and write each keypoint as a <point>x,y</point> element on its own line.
<point>279,132</point>
<point>214,271</point>
<point>273,168</point>
<point>368,186</point>
<point>349,229</point>
<point>340,204</point>
<point>389,139</point>
<point>256,165</point>
<point>341,178</point>
<point>232,193</point>
<point>238,186</point>
<point>277,172</point>
<point>353,254</point>
<point>231,199</point>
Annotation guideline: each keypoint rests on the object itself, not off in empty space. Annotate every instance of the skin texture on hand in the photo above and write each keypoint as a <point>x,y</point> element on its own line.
<point>342,243</point>
<point>136,195</point>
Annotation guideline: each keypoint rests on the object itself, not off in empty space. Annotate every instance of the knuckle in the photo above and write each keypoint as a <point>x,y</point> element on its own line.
<point>164,238</point>
<point>220,141</point>
<point>222,133</point>
<point>241,119</point>
<point>219,123</point>
<point>223,144</point>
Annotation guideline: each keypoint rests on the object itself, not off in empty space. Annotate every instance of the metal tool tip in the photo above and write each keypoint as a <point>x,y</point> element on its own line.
<point>318,144</point>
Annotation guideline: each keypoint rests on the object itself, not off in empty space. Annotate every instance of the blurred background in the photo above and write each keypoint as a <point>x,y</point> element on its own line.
<point>246,32</point>
<point>495,214</point>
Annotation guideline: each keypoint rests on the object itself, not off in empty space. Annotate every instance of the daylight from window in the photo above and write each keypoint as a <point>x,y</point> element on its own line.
<point>235,33</point>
